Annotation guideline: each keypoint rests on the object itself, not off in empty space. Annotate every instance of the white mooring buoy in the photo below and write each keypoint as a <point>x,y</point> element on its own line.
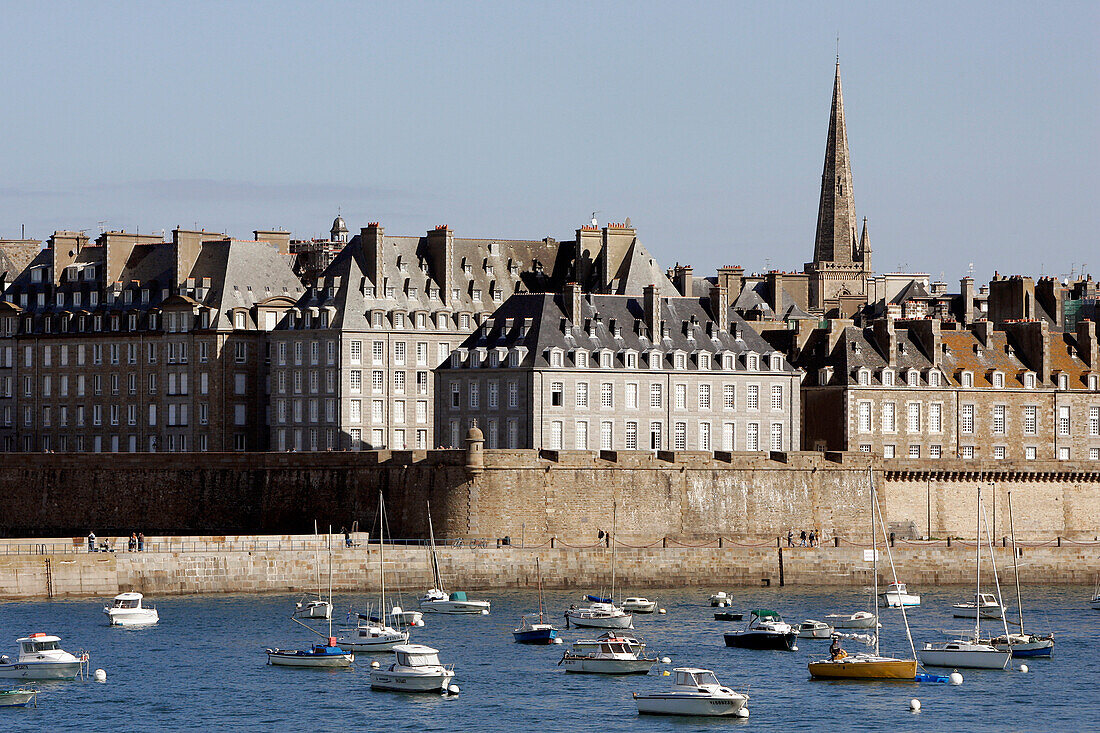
<point>956,678</point>
<point>914,705</point>
<point>557,640</point>
<point>374,665</point>
<point>1023,668</point>
<point>453,689</point>
<point>666,660</point>
<point>100,676</point>
<point>661,611</point>
<point>743,713</point>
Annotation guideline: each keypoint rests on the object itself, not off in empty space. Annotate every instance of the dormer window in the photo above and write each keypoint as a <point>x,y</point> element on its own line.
<point>998,380</point>
<point>1063,381</point>
<point>727,362</point>
<point>865,377</point>
<point>933,378</point>
<point>1029,381</point>
<point>655,360</point>
<point>824,375</point>
<point>581,359</point>
<point>887,378</point>
<point>777,362</point>
<point>605,359</point>
<point>555,358</point>
<point>967,380</point>
<point>752,362</point>
<point>631,360</point>
<point>913,378</point>
<point>679,361</point>
<point>704,361</point>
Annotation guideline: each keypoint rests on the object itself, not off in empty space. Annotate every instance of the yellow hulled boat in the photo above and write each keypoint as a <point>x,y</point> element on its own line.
<point>865,667</point>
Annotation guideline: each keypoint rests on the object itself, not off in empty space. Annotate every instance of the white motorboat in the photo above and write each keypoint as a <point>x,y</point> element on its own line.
<point>42,658</point>
<point>721,599</point>
<point>985,602</point>
<point>315,608</point>
<point>129,609</point>
<point>766,629</point>
<point>599,616</point>
<point>810,629</point>
<point>416,668</point>
<point>396,617</point>
<point>964,653</point>
<point>896,596</point>
<point>637,604</point>
<point>438,600</point>
<point>613,656</point>
<point>1095,602</point>
<point>1025,645</point>
<point>694,692</point>
<point>586,645</point>
<point>857,620</point>
<point>317,656</point>
<point>19,698</point>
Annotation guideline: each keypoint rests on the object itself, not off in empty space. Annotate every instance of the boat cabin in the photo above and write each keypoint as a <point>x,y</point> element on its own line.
<point>615,646</point>
<point>127,600</point>
<point>986,599</point>
<point>38,643</point>
<point>416,655</point>
<point>764,615</point>
<point>701,679</point>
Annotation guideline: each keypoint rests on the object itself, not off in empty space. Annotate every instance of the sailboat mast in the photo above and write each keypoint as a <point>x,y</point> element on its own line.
<point>614,538</point>
<point>874,557</point>
<point>330,581</point>
<point>435,560</point>
<point>978,568</point>
<point>538,574</point>
<point>1015,565</point>
<point>382,557</point>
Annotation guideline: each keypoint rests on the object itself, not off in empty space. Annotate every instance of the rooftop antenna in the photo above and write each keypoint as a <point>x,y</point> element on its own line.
<point>594,218</point>
<point>838,47</point>
<point>970,269</point>
<point>102,226</point>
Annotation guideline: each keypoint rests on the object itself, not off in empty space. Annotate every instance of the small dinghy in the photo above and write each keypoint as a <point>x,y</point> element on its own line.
<point>857,620</point>
<point>728,616</point>
<point>694,692</point>
<point>42,658</point>
<point>18,698</point>
<point>810,629</point>
<point>766,630</point>
<point>416,668</point>
<point>316,608</point>
<point>613,656</point>
<point>897,596</point>
<point>1025,645</point>
<point>128,609</point>
<point>721,599</point>
<point>318,656</point>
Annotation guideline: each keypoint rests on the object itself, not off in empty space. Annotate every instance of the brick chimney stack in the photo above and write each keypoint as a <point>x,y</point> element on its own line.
<point>1087,347</point>
<point>720,307</point>
<point>652,307</point>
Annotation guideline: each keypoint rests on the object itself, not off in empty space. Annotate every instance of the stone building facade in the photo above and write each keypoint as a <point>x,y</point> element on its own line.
<point>914,390</point>
<point>576,371</point>
<point>134,344</point>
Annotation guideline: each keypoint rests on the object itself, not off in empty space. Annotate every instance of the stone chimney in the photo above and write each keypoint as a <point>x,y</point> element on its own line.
<point>886,338</point>
<point>926,332</point>
<point>441,251</point>
<point>371,239</point>
<point>281,240</point>
<point>720,307</point>
<point>652,309</point>
<point>65,246</point>
<point>1049,294</point>
<point>571,303</point>
<point>732,279</point>
<point>1087,347</point>
<point>1032,341</point>
<point>966,288</point>
<point>983,330</point>
<point>682,279</point>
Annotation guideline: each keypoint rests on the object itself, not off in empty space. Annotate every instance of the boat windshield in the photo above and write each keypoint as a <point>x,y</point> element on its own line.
<point>125,604</point>
<point>40,646</point>
<point>705,678</point>
<point>417,660</point>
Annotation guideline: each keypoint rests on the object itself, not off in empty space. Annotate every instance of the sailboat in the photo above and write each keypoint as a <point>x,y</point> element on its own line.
<point>1022,644</point>
<point>377,637</point>
<point>530,632</point>
<point>317,607</point>
<point>863,666</point>
<point>972,652</point>
<point>438,600</point>
<point>602,613</point>
<point>1095,602</point>
<point>325,655</point>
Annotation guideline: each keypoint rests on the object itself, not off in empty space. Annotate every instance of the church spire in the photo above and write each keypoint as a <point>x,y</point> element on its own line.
<point>836,212</point>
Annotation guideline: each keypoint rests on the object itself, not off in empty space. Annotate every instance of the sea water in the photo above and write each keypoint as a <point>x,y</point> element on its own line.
<point>204,666</point>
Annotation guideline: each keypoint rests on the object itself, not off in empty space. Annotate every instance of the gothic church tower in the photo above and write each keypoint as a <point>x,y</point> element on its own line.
<point>842,259</point>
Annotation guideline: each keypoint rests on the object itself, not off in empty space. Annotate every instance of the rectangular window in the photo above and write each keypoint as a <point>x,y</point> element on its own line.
<point>631,435</point>
<point>607,395</point>
<point>729,434</point>
<point>999,452</point>
<point>632,396</point>
<point>475,395</point>
<point>494,394</point>
<point>1063,420</point>
<point>864,416</point>
<point>968,451</point>
<point>777,436</point>
<point>655,395</point>
<point>1094,421</point>
<point>456,398</point>
<point>888,451</point>
<point>513,394</point>
<point>555,434</point>
<point>377,411</point>
<point>399,353</point>
<point>777,396</point>
<point>606,435</point>
<point>753,402</point>
<point>399,412</point>
<point>704,436</point>
<point>935,451</point>
<point>935,418</point>
<point>1030,453</point>
<point>582,394</point>
<point>421,353</point>
<point>355,352</point>
<point>356,381</point>
<point>967,421</point>
<point>377,352</point>
<point>1094,454</point>
<point>356,413</point>
<point>582,436</point>
<point>421,411</point>
<point>728,397</point>
<point>913,410</point>
<point>557,391</point>
<point>889,417</point>
<point>1030,419</point>
<point>399,382</point>
<point>914,451</point>
<point>377,381</point>
<point>998,419</point>
<point>656,439</point>
<point>1063,454</point>
<point>680,392</point>
<point>752,436</point>
<point>679,436</point>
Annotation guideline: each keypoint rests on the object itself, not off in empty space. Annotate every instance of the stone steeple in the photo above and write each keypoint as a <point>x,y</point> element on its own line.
<point>836,212</point>
<point>865,247</point>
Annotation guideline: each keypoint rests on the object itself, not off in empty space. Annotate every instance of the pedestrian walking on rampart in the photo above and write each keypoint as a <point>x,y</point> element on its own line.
<point>132,544</point>
<point>790,538</point>
<point>91,542</point>
<point>141,542</point>
<point>813,537</point>
<point>802,538</point>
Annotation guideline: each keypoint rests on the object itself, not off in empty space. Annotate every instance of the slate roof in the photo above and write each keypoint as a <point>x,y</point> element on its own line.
<point>541,317</point>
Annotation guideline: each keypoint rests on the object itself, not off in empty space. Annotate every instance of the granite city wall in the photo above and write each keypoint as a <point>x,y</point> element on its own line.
<point>533,496</point>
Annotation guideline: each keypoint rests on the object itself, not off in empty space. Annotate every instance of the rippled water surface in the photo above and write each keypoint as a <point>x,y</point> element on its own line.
<point>204,665</point>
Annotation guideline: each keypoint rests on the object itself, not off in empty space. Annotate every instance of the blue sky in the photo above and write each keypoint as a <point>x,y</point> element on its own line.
<point>973,127</point>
